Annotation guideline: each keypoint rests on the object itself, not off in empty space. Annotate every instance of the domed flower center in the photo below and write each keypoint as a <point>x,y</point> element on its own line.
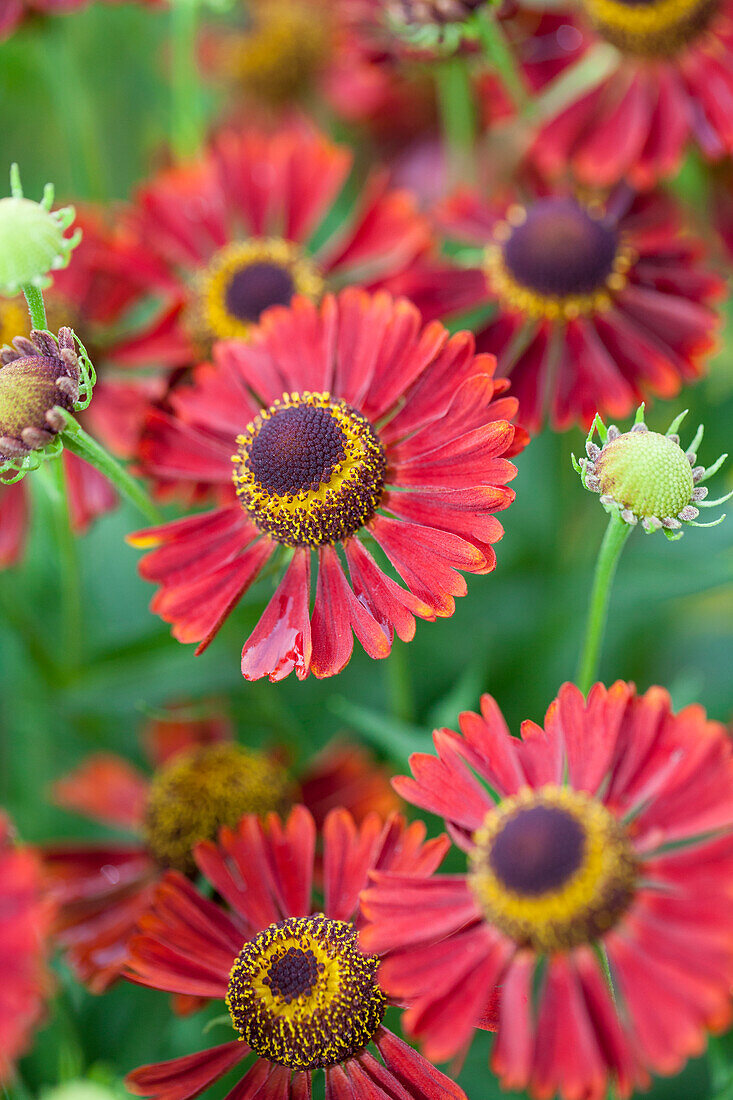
<point>281,50</point>
<point>198,791</point>
<point>556,259</point>
<point>36,378</point>
<point>309,470</point>
<point>552,869</point>
<point>647,473</point>
<point>651,28</point>
<point>301,993</point>
<point>243,280</point>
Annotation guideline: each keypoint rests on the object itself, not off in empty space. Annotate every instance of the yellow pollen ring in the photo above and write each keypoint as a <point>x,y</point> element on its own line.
<point>582,908</point>
<point>339,506</point>
<point>657,28</point>
<point>301,993</point>
<point>209,317</point>
<point>523,299</point>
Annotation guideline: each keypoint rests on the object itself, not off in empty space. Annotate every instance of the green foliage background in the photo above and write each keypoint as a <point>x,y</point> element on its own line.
<point>83,102</point>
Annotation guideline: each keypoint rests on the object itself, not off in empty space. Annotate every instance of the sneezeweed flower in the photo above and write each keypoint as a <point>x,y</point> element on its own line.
<point>590,305</point>
<point>601,841</point>
<point>33,239</point>
<point>201,779</point>
<point>301,995</point>
<point>646,477</point>
<point>668,88</point>
<point>225,238</point>
<point>331,425</point>
<point>24,928</point>
<point>40,377</point>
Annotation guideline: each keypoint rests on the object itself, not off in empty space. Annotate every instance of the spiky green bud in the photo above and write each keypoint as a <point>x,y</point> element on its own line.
<point>32,240</point>
<point>647,477</point>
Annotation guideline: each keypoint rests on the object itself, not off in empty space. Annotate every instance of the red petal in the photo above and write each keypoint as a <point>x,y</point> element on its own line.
<point>445,904</point>
<point>281,641</point>
<point>13,522</point>
<point>105,788</point>
<point>184,1078</point>
<point>414,1071</point>
<point>348,855</point>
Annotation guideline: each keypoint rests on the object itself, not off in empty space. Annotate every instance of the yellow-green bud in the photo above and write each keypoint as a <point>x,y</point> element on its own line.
<point>32,241</point>
<point>648,477</point>
<point>647,473</point>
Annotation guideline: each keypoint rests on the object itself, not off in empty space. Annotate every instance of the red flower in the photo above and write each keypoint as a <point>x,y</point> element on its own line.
<point>606,834</point>
<point>229,236</point>
<point>349,412</point>
<point>301,994</point>
<point>24,926</point>
<point>91,296</point>
<point>13,12</point>
<point>102,890</point>
<point>588,308</point>
<point>672,84</point>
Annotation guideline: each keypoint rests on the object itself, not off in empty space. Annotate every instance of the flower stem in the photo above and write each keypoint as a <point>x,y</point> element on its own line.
<point>613,543</point>
<point>187,123</point>
<point>53,477</point>
<point>82,445</point>
<point>458,116</point>
<point>36,306</point>
<point>501,57</point>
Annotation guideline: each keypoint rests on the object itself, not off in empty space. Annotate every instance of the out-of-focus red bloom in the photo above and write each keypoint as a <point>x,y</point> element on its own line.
<point>25,918</point>
<point>301,994</point>
<point>588,306</point>
<point>103,889</point>
<point>331,424</point>
<point>607,832</point>
<point>13,12</point>
<point>91,296</point>
<point>227,237</point>
<point>672,85</point>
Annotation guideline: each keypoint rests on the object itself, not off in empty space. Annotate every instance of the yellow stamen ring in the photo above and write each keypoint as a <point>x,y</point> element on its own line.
<point>521,296</point>
<point>552,868</point>
<point>657,28</point>
<point>309,470</point>
<point>274,270</point>
<point>302,994</point>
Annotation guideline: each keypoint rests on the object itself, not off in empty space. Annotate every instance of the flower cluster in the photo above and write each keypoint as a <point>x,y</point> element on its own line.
<point>329,280</point>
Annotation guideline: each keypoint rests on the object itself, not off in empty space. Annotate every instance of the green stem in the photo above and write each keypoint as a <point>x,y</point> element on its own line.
<point>613,543</point>
<point>402,702</point>
<point>501,57</point>
<point>187,122</point>
<point>53,478</point>
<point>36,306</point>
<point>82,445</point>
<point>458,116</point>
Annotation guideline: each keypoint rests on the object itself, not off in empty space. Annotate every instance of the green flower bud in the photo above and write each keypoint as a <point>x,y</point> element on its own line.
<point>32,241</point>
<point>37,378</point>
<point>647,477</point>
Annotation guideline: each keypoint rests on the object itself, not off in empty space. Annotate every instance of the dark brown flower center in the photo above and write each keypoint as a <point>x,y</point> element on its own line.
<point>255,288</point>
<point>560,250</point>
<point>303,995</point>
<point>552,869</point>
<point>310,470</point>
<point>538,850</point>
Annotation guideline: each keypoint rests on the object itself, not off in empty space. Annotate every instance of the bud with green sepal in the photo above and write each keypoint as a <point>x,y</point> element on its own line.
<point>434,25</point>
<point>42,379</point>
<point>646,477</point>
<point>32,239</point>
